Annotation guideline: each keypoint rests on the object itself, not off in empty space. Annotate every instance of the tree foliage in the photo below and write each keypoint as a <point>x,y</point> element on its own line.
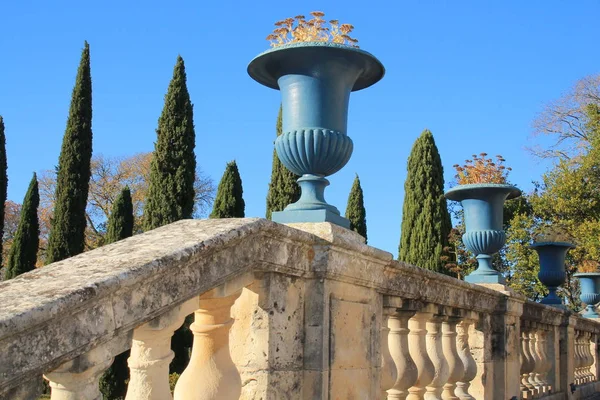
<point>23,252</point>
<point>3,182</point>
<point>120,226</point>
<point>172,169</point>
<point>283,188</point>
<point>355,209</point>
<point>67,234</point>
<point>229,202</point>
<point>425,219</point>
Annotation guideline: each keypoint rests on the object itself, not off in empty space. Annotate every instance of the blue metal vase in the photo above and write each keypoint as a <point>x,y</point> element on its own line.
<point>552,268</point>
<point>483,206</point>
<point>315,80</point>
<point>590,292</point>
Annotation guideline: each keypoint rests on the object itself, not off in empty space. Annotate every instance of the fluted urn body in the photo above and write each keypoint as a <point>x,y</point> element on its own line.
<point>483,206</point>
<point>590,292</point>
<point>552,268</point>
<point>315,80</point>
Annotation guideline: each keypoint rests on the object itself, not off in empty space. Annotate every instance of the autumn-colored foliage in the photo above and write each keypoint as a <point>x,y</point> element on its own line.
<point>482,170</point>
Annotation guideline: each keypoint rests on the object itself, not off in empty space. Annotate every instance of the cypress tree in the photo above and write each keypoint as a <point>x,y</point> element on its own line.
<point>23,252</point>
<point>355,210</point>
<point>229,202</point>
<point>171,187</point>
<point>67,234</point>
<point>172,171</point>
<point>120,226</point>
<point>3,181</point>
<point>425,219</point>
<point>120,223</point>
<point>283,188</point>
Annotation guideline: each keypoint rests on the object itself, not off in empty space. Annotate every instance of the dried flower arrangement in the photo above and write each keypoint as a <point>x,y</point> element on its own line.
<point>589,266</point>
<point>552,233</point>
<point>298,29</point>
<point>482,170</point>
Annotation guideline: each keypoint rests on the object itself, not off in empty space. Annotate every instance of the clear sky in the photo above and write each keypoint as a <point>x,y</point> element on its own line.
<point>474,72</point>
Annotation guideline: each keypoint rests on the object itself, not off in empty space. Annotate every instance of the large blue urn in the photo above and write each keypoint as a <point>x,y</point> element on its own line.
<point>483,206</point>
<point>315,80</point>
<point>590,292</point>
<point>552,268</point>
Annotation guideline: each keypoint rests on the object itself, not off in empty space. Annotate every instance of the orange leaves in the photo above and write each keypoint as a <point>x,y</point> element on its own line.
<point>482,170</point>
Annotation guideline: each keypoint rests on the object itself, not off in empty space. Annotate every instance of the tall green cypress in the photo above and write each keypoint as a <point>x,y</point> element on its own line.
<point>355,209</point>
<point>283,188</point>
<point>120,226</point>
<point>67,234</point>
<point>229,202</point>
<point>171,187</point>
<point>3,181</point>
<point>425,219</point>
<point>120,223</point>
<point>173,167</point>
<point>23,252</point>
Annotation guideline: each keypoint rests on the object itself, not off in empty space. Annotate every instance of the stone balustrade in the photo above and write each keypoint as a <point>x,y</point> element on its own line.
<point>305,311</point>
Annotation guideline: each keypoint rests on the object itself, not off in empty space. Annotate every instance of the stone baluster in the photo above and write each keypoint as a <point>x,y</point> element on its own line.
<point>526,363</point>
<point>594,354</point>
<point>388,368</point>
<point>79,379</point>
<point>588,356</point>
<point>417,346</point>
<point>405,367</point>
<point>151,355</point>
<point>436,353</point>
<point>468,362</point>
<point>546,365</point>
<point>455,364</point>
<point>536,360</point>
<point>577,362</point>
<point>211,373</point>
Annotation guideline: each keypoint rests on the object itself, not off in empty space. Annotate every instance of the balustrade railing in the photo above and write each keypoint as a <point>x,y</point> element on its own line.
<point>282,313</point>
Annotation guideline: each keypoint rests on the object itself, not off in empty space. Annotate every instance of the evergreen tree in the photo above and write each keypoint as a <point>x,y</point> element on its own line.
<point>425,219</point>
<point>120,223</point>
<point>67,236</point>
<point>229,202</point>
<point>283,188</point>
<point>23,252</point>
<point>3,181</point>
<point>120,226</point>
<point>171,187</point>
<point>355,210</point>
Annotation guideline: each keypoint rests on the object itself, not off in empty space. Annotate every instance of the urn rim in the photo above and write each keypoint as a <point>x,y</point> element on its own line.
<point>587,274</point>
<point>568,245</point>
<point>263,67</point>
<point>460,192</point>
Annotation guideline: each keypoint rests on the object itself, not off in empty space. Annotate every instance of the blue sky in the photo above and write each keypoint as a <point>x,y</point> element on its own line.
<point>473,72</point>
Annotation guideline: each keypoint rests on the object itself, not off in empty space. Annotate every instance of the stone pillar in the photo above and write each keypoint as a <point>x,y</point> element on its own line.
<point>406,369</point>
<point>578,359</point>
<point>542,349</point>
<point>505,351</point>
<point>389,372</point>
<point>436,353</point>
<point>151,355</point>
<point>455,365</point>
<point>468,362</point>
<point>567,352</point>
<point>417,346</point>
<point>211,373</point>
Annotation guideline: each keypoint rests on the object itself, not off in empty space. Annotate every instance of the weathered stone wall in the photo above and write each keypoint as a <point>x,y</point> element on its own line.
<point>309,322</point>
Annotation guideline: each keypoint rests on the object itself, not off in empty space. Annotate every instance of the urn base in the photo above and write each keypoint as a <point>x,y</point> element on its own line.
<point>288,217</point>
<point>485,273</point>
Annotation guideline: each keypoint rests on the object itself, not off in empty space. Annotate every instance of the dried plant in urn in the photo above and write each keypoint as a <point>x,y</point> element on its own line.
<point>316,65</point>
<point>482,190</point>
<point>316,29</point>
